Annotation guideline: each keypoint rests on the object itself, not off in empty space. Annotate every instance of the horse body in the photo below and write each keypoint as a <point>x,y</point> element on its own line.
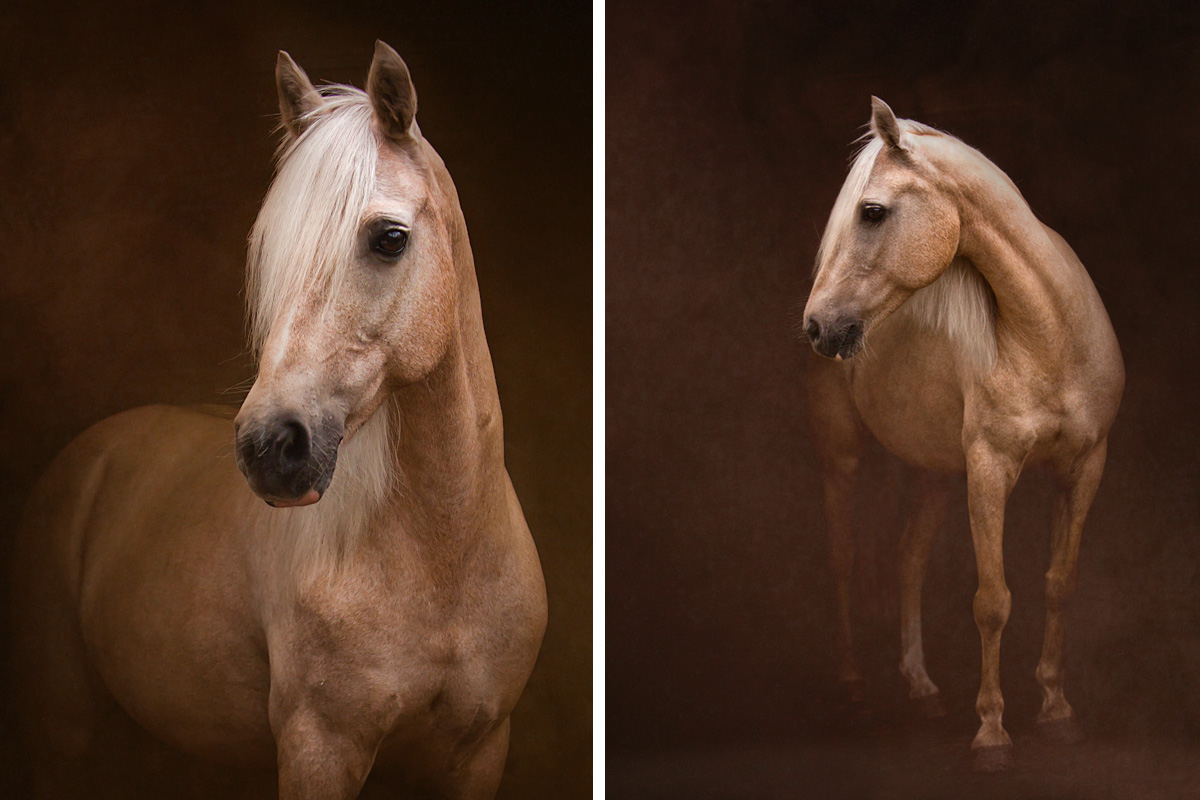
<point>990,351</point>
<point>393,624</point>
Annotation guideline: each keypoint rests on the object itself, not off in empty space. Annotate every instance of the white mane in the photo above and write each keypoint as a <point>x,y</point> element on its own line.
<point>960,303</point>
<point>305,235</point>
<point>307,227</point>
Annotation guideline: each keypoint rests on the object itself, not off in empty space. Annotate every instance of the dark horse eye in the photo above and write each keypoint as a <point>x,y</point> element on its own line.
<point>873,212</point>
<point>389,242</point>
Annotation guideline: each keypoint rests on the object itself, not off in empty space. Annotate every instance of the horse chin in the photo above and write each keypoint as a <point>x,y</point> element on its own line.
<point>307,500</point>
<point>847,354</point>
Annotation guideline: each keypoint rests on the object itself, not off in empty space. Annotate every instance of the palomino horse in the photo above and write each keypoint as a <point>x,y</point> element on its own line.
<point>966,337</point>
<point>391,625</point>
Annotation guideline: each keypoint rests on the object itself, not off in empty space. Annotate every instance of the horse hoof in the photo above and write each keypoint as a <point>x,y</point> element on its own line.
<point>996,758</point>
<point>1064,730</point>
<point>929,706</point>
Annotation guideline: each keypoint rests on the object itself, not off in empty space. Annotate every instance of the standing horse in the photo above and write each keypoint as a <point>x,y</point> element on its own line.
<point>392,624</point>
<point>966,336</point>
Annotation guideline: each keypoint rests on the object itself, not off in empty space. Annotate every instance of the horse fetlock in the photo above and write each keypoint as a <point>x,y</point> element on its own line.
<point>989,705</point>
<point>1049,677</point>
<point>912,667</point>
<point>920,686</point>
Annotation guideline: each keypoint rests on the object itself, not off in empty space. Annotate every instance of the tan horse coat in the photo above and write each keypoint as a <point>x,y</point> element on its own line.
<point>965,336</point>
<point>392,625</point>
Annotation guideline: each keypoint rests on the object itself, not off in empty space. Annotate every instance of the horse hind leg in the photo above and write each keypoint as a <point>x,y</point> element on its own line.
<point>925,520</point>
<point>1078,485</point>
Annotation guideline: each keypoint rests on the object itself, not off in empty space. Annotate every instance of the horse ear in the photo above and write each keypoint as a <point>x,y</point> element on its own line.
<point>297,96</point>
<point>884,124</point>
<point>391,91</point>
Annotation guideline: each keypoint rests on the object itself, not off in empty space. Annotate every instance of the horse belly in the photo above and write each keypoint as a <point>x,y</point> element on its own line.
<point>908,394</point>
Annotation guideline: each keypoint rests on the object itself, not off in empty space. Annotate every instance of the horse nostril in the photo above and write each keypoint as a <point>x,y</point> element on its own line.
<point>813,329</point>
<point>293,443</point>
<point>245,450</point>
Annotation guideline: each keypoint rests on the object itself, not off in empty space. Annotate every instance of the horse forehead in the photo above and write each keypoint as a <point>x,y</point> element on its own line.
<point>891,174</point>
<point>398,177</point>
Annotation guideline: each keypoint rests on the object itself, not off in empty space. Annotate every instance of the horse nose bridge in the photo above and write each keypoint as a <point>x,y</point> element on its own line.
<point>284,385</point>
<point>829,293</point>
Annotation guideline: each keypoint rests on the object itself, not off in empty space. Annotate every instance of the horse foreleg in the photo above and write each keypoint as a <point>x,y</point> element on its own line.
<point>839,488</point>
<point>837,436</point>
<point>928,513</point>
<point>320,759</point>
<point>479,776</point>
<point>990,478</point>
<point>1078,488</point>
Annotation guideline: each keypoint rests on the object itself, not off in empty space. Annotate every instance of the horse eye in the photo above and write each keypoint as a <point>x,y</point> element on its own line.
<point>389,242</point>
<point>873,212</point>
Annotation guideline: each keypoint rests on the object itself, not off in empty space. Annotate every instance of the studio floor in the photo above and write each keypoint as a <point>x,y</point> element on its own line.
<point>924,762</point>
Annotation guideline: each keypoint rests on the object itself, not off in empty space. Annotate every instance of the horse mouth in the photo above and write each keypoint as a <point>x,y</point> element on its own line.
<point>307,500</point>
<point>849,350</point>
<point>842,344</point>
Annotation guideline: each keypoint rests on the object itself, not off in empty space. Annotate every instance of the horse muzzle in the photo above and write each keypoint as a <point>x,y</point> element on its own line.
<point>287,461</point>
<point>839,338</point>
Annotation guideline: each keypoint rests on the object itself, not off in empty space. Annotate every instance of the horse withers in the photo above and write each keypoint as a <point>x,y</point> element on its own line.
<point>966,336</point>
<point>382,610</point>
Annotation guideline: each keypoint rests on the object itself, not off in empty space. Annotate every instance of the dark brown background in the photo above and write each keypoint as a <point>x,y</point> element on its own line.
<point>728,131</point>
<point>135,147</point>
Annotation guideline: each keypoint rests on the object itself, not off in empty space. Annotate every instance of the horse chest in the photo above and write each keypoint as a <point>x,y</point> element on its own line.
<point>428,669</point>
<point>908,395</point>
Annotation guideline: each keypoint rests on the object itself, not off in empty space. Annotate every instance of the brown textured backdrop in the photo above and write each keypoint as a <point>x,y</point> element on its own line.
<point>728,131</point>
<point>135,146</point>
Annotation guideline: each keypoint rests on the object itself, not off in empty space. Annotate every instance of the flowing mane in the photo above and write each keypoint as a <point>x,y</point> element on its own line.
<point>306,229</point>
<point>960,304</point>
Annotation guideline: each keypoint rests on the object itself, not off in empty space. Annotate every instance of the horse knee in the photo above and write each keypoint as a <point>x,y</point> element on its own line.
<point>992,606</point>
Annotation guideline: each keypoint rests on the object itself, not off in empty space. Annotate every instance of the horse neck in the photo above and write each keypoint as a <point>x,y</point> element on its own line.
<point>1007,244</point>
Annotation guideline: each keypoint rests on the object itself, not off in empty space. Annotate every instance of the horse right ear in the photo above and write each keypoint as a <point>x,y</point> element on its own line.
<point>884,124</point>
<point>391,91</point>
<point>297,95</point>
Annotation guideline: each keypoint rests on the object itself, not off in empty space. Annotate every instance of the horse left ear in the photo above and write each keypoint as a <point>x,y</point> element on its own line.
<point>297,96</point>
<point>884,124</point>
<point>391,91</point>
